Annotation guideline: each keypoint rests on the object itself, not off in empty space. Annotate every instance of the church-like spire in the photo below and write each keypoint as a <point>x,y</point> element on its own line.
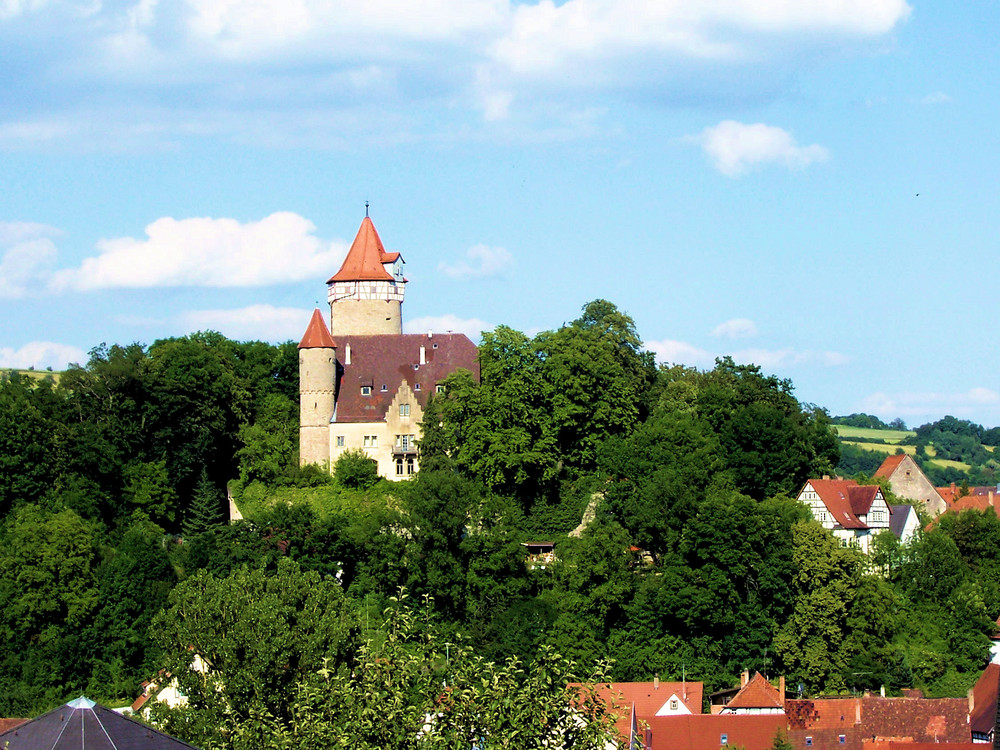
<point>366,259</point>
<point>317,335</point>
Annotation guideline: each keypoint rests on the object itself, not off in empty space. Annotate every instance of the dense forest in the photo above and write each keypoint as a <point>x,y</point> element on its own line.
<point>667,491</point>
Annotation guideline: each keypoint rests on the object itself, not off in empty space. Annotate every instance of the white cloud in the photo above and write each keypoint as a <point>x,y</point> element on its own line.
<point>680,353</point>
<point>257,322</point>
<point>737,328</point>
<point>683,353</point>
<point>40,355</point>
<point>480,261</point>
<point>923,404</point>
<point>736,147</point>
<point>27,255</point>
<point>938,97</point>
<point>545,37</point>
<point>208,252</point>
<point>471,327</point>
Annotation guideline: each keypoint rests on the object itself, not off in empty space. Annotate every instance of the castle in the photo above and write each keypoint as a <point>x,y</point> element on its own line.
<point>363,383</point>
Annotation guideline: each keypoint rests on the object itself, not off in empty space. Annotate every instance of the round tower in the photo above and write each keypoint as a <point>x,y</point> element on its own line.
<point>317,384</point>
<point>366,294</point>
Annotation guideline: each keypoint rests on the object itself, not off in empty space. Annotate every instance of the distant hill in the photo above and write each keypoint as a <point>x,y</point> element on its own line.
<point>949,450</point>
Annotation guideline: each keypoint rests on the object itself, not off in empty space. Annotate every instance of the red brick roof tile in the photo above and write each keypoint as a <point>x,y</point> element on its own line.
<point>890,464</point>
<point>317,335</point>
<point>984,700</point>
<point>846,500</point>
<point>705,731</point>
<point>647,699</point>
<point>757,693</point>
<point>365,258</point>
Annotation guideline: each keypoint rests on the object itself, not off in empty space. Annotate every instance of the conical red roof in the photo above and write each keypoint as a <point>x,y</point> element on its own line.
<point>365,258</point>
<point>317,335</point>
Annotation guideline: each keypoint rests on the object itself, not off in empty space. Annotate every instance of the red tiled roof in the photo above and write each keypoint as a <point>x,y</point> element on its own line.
<point>860,720</point>
<point>621,696</point>
<point>704,731</point>
<point>8,724</point>
<point>757,693</point>
<point>317,335</point>
<point>846,500</point>
<point>378,361</point>
<point>984,700</point>
<point>890,465</point>
<point>365,258</point>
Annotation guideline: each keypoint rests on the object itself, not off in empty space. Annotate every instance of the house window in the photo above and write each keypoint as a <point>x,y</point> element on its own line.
<point>340,441</point>
<point>404,410</point>
<point>809,741</point>
<point>366,390</point>
<point>371,441</point>
<point>673,704</point>
<point>842,739</point>
<point>724,739</point>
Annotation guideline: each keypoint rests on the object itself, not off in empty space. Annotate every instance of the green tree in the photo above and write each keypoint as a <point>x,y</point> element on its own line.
<point>355,470</point>
<point>205,509</point>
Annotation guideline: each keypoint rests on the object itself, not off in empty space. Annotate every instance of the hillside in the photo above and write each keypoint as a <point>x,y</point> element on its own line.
<point>949,450</point>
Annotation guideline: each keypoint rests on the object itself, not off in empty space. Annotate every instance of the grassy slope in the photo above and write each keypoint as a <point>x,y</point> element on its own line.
<point>867,433</point>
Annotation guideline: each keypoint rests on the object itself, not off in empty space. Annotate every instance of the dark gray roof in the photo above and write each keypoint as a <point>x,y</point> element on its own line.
<point>85,725</point>
<point>897,518</point>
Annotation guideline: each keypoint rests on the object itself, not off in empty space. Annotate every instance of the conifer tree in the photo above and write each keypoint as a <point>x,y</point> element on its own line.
<point>206,507</point>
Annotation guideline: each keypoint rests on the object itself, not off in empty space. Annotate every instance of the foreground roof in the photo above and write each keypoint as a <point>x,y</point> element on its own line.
<point>85,725</point>
<point>704,731</point>
<point>647,698</point>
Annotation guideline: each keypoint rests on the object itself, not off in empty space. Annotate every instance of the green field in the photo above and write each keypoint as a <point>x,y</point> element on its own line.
<point>867,433</point>
<point>36,374</point>
<point>880,448</point>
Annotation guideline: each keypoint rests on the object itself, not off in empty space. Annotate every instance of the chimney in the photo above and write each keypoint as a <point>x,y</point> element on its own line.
<point>781,690</point>
<point>857,710</point>
<point>656,681</point>
<point>423,354</point>
<point>430,334</point>
<point>972,702</point>
<point>826,476</point>
<point>744,678</point>
<point>347,354</point>
<point>881,691</point>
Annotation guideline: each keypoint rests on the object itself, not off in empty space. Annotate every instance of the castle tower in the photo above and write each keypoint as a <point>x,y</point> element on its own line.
<point>317,383</point>
<point>366,294</point>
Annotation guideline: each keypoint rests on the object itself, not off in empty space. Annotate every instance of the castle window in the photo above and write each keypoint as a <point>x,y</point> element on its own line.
<point>439,388</point>
<point>411,468</point>
<point>399,467</point>
<point>416,387</point>
<point>340,441</point>
<point>371,441</point>
<point>366,390</point>
<point>384,387</point>
<point>404,410</point>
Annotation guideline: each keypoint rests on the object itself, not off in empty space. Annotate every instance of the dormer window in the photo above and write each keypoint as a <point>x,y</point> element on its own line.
<point>366,390</point>
<point>416,387</point>
<point>673,704</point>
<point>384,388</point>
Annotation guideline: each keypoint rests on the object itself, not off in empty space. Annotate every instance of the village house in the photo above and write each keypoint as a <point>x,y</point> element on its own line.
<point>855,513</point>
<point>363,383</point>
<point>908,481</point>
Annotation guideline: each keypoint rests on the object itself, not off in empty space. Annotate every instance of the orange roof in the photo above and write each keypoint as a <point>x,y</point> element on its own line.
<point>757,693</point>
<point>846,499</point>
<point>317,335</point>
<point>984,700</point>
<point>365,258</point>
<point>890,464</point>
<point>752,732</point>
<point>647,699</point>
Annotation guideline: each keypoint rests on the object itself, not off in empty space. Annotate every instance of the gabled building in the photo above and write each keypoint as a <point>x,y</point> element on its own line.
<point>363,383</point>
<point>908,481</point>
<point>757,696</point>
<point>853,512</point>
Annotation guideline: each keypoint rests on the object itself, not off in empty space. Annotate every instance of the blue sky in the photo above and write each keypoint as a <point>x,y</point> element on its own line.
<point>810,186</point>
